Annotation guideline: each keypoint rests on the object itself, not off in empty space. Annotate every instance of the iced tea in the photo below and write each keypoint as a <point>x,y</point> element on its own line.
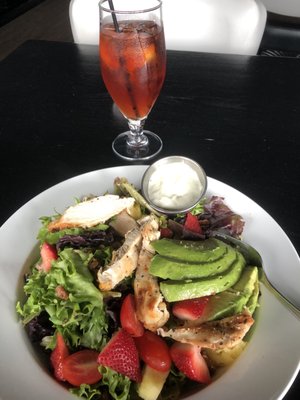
<point>133,65</point>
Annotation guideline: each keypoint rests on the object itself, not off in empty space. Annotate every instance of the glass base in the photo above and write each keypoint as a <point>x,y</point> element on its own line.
<point>142,152</point>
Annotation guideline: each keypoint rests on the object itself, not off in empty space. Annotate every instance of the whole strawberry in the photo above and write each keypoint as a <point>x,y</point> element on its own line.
<point>120,354</point>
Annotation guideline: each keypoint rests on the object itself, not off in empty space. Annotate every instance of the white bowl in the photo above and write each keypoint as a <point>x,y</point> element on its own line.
<point>266,368</point>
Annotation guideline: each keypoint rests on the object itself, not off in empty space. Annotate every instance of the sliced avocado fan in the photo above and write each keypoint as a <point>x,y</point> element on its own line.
<point>176,290</point>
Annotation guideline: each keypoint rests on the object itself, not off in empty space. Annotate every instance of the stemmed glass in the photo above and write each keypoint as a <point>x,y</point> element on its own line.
<point>133,66</point>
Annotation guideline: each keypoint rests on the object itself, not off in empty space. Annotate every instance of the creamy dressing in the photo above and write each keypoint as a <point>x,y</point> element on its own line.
<point>174,186</point>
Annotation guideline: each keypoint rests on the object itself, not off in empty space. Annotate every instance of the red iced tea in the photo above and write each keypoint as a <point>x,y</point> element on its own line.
<point>133,65</point>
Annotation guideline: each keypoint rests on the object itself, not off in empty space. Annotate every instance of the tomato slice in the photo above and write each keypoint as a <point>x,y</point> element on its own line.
<point>81,367</point>
<point>128,317</point>
<point>154,351</point>
<point>192,223</point>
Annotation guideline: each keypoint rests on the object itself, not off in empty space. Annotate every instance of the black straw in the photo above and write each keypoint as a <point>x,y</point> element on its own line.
<point>111,6</point>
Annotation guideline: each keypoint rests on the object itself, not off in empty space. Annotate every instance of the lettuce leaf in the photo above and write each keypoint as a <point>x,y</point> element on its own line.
<point>87,391</point>
<point>118,384</point>
<point>221,217</point>
<point>112,385</point>
<point>80,315</point>
<point>44,235</point>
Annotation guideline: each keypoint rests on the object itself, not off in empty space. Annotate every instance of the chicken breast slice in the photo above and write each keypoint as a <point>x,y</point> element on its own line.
<point>151,308</point>
<point>221,334</point>
<point>124,261</point>
<point>91,212</point>
<point>123,223</point>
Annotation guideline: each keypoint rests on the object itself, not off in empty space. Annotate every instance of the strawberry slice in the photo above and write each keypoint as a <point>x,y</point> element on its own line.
<point>189,360</point>
<point>128,318</point>
<point>154,351</point>
<point>166,233</point>
<point>120,354</point>
<point>190,309</point>
<point>59,353</point>
<point>192,223</point>
<point>48,254</point>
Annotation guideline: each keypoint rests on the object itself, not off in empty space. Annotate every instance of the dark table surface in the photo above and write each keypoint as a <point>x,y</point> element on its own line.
<point>239,116</point>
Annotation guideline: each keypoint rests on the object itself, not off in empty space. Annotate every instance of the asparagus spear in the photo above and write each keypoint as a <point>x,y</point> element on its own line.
<point>128,189</point>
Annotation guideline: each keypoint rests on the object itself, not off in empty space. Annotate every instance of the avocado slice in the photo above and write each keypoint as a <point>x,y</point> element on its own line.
<point>253,300</point>
<point>233,300</point>
<point>191,251</point>
<point>174,290</point>
<point>165,267</point>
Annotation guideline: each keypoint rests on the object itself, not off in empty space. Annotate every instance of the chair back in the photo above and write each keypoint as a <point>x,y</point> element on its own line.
<point>84,20</point>
<point>288,8</point>
<point>219,26</point>
<point>215,26</point>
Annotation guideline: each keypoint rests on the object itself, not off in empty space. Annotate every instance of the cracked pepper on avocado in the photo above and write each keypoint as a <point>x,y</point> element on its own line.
<point>129,303</point>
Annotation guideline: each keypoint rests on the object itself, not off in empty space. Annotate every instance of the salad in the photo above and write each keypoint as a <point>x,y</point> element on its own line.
<point>129,303</point>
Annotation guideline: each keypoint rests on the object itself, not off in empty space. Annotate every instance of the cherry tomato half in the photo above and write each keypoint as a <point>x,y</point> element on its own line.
<point>128,317</point>
<point>81,367</point>
<point>153,350</point>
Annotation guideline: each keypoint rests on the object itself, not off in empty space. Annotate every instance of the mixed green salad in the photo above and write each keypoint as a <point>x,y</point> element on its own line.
<point>129,303</point>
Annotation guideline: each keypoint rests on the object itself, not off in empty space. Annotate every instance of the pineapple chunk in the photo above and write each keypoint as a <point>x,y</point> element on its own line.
<point>223,358</point>
<point>152,383</point>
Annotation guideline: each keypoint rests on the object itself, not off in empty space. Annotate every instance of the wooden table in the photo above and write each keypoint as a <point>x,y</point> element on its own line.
<point>238,116</point>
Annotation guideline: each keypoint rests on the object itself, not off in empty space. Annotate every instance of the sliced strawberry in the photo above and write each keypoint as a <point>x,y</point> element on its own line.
<point>154,351</point>
<point>120,354</point>
<point>128,318</point>
<point>60,352</point>
<point>48,254</point>
<point>189,360</point>
<point>166,233</point>
<point>192,223</point>
<point>190,309</point>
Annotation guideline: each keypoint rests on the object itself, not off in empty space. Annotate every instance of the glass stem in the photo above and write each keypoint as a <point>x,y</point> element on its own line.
<point>136,138</point>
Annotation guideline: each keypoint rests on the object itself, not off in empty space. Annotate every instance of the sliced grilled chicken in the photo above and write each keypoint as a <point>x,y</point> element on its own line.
<point>123,223</point>
<point>91,212</point>
<point>124,261</point>
<point>221,334</point>
<point>151,308</point>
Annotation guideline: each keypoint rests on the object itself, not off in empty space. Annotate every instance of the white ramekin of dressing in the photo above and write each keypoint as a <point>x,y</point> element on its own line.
<point>174,184</point>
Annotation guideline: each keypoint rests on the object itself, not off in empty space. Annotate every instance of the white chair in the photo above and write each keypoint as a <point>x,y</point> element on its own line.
<point>84,19</point>
<point>219,26</point>
<point>289,8</point>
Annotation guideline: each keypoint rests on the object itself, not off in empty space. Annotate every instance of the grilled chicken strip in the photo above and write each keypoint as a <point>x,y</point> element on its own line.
<point>123,263</point>
<point>123,223</point>
<point>91,212</point>
<point>221,334</point>
<point>151,308</point>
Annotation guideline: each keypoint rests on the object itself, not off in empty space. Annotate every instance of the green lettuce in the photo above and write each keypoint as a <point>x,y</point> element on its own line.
<point>88,392</point>
<point>116,385</point>
<point>80,316</point>
<point>44,235</point>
